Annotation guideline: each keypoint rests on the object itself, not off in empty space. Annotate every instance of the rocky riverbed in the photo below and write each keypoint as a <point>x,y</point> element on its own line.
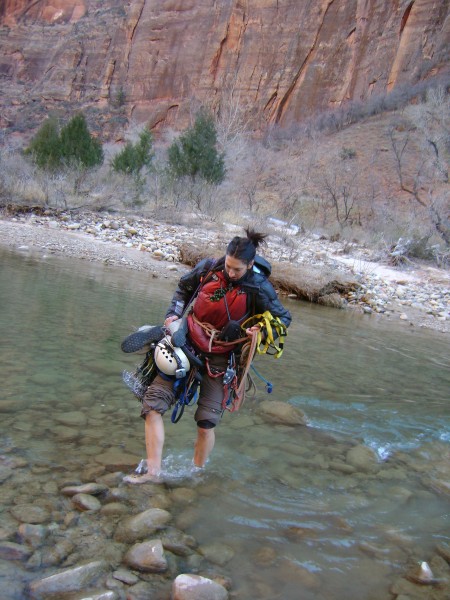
<point>78,532</point>
<point>417,295</point>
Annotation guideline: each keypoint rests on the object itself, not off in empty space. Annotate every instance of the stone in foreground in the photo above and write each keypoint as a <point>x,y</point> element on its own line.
<point>196,587</point>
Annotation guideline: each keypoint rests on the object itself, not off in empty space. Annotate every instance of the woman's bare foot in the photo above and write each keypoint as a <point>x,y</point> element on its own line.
<point>135,478</point>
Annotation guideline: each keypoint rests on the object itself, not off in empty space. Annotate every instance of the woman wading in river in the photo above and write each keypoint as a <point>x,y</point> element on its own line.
<point>225,294</point>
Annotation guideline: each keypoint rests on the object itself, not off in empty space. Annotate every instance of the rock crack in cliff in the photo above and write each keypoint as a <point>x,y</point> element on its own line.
<point>302,70</point>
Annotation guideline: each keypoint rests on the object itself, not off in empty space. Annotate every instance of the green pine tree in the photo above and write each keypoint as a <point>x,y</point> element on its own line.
<point>195,155</point>
<point>134,157</point>
<point>52,149</point>
<point>77,144</point>
<point>45,147</point>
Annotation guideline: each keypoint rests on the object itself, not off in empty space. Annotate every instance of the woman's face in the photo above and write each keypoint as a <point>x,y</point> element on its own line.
<point>235,268</point>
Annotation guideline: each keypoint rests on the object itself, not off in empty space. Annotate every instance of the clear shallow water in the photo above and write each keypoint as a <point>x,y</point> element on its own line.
<point>269,497</point>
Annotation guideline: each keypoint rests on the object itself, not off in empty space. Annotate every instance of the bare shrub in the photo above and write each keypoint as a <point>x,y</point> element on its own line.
<point>420,152</point>
<point>21,181</point>
<point>72,188</point>
<point>346,193</point>
<point>232,125</point>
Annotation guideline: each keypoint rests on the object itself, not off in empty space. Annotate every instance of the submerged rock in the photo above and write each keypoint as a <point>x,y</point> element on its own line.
<point>70,580</point>
<point>142,525</point>
<point>114,509</point>
<point>125,576</point>
<point>5,473</point>
<point>94,489</point>
<point>178,543</point>
<point>217,553</point>
<point>422,573</point>
<point>362,458</point>
<point>29,513</point>
<point>196,587</point>
<point>33,535</point>
<point>115,459</point>
<point>71,419</point>
<point>86,502</point>
<point>443,550</point>
<point>56,554</point>
<point>13,551</point>
<point>281,413</point>
<point>101,595</point>
<point>147,557</point>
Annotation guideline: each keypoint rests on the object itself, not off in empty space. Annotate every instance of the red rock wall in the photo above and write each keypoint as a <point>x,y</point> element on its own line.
<point>284,59</point>
<point>48,11</point>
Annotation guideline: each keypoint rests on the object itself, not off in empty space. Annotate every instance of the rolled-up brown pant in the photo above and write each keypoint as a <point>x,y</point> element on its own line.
<point>160,397</point>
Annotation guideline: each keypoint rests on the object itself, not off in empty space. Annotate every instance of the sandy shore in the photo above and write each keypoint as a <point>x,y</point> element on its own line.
<point>49,236</point>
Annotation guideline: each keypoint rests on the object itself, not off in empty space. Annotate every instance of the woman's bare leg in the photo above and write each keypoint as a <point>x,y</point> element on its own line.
<point>154,441</point>
<point>203,445</point>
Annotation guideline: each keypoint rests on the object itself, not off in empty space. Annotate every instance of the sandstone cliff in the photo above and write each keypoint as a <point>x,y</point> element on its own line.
<point>149,59</point>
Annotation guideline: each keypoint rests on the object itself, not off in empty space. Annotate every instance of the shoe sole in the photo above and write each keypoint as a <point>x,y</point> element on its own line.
<point>141,338</point>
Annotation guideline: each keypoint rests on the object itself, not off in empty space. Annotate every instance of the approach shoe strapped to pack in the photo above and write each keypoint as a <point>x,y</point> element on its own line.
<point>141,338</point>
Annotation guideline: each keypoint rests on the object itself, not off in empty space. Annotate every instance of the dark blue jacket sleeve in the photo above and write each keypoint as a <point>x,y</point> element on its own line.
<point>267,299</point>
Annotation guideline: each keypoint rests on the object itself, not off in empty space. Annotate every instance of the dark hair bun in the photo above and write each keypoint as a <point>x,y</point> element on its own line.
<point>244,248</point>
<point>257,239</point>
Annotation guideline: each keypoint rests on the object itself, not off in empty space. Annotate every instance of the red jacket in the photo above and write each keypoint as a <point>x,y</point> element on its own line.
<point>211,304</point>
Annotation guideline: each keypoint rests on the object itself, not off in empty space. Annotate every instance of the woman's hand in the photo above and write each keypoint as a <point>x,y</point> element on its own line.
<point>170,320</point>
<point>251,330</point>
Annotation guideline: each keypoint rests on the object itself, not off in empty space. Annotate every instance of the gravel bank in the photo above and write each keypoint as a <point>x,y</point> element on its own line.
<point>418,296</point>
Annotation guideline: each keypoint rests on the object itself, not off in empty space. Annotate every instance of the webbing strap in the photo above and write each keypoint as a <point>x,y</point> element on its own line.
<point>270,324</point>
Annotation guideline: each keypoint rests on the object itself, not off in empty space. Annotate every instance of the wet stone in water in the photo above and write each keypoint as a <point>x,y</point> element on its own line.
<point>147,556</point>
<point>29,513</point>
<point>13,551</point>
<point>34,535</point>
<point>281,413</point>
<point>142,525</point>
<point>217,553</point>
<point>69,580</point>
<point>93,489</point>
<point>193,587</point>
<point>86,502</point>
<point>125,576</point>
<point>178,542</point>
<point>362,458</point>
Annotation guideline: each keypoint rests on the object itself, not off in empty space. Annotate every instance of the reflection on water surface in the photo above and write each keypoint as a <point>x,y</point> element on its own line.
<point>280,509</point>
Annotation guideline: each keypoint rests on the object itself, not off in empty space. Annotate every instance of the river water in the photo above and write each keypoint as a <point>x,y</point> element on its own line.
<point>280,512</point>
